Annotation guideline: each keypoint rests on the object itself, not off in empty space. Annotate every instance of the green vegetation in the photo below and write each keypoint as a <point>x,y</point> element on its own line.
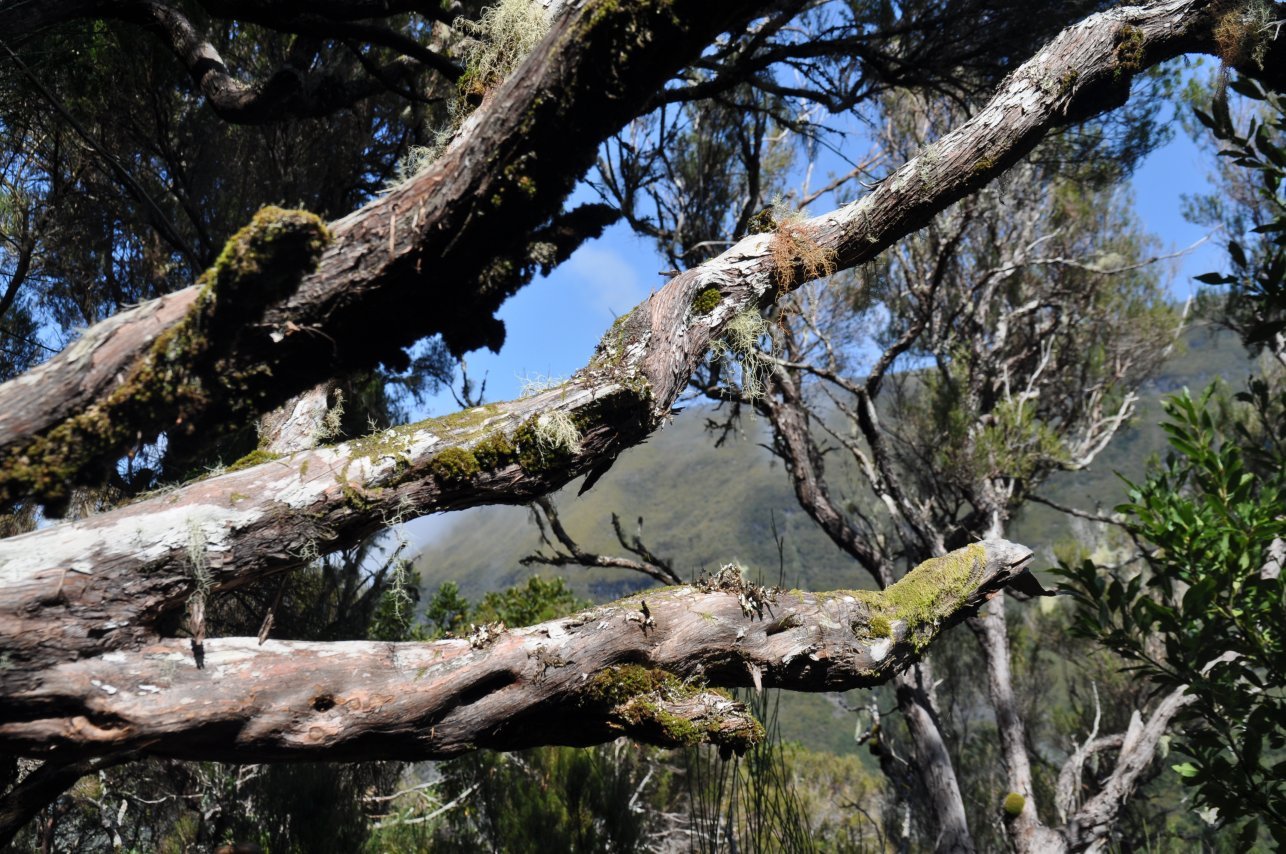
<point>706,300</point>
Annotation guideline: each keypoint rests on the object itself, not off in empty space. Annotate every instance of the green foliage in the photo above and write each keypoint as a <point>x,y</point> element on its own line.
<point>1255,299</point>
<point>555,799</point>
<point>539,599</point>
<point>1207,609</point>
<point>534,602</point>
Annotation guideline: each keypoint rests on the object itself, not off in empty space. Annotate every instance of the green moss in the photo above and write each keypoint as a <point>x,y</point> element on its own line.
<point>494,451</point>
<point>707,300</point>
<point>454,465</point>
<point>616,685</point>
<point>254,458</point>
<point>927,594</point>
<point>1128,51</point>
<point>984,166</point>
<point>637,697</point>
<point>1014,804</point>
<point>880,627</point>
<point>184,378</point>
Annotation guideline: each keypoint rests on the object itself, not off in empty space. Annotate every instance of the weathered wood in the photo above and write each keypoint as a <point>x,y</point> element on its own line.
<point>79,597</point>
<point>636,667</point>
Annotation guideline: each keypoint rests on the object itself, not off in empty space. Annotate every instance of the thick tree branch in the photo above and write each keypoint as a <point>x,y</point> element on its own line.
<point>632,667</point>
<point>437,255</point>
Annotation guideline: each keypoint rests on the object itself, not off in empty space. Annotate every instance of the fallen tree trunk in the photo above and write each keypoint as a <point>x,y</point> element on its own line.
<point>643,667</point>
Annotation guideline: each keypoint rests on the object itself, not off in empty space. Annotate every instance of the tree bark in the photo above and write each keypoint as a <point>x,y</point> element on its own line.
<point>267,518</point>
<point>636,667</point>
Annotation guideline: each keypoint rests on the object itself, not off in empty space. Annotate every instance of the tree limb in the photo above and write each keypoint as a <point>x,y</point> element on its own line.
<point>634,667</point>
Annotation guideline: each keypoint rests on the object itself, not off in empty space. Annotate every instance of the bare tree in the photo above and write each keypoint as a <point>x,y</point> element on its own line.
<point>292,302</point>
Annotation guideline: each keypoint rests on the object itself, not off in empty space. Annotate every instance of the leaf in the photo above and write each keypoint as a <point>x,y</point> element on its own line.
<point>1215,279</point>
<point>1185,769</point>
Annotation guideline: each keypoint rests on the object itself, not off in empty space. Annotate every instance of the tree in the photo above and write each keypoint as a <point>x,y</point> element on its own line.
<point>1204,607</point>
<point>291,302</point>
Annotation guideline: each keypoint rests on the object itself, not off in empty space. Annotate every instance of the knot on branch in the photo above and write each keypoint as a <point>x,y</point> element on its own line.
<point>654,706</point>
<point>264,261</point>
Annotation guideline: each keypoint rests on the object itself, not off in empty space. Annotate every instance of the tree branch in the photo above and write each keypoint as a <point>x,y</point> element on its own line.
<point>634,667</point>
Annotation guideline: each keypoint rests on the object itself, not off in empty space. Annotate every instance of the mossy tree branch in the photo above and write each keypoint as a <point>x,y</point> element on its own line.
<point>271,516</point>
<point>646,666</point>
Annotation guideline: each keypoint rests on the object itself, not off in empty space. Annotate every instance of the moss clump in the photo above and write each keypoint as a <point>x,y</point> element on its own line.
<point>1014,804</point>
<point>617,685</point>
<point>707,300</point>
<point>880,627</point>
<point>983,166</point>
<point>927,594</point>
<point>494,451</point>
<point>640,697</point>
<point>254,458</point>
<point>454,465</point>
<point>264,260</point>
<point>1128,50</point>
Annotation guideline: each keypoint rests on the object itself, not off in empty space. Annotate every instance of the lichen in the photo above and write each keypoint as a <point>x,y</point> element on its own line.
<point>794,251</point>
<point>1014,804</point>
<point>739,346</point>
<point>547,441</point>
<point>1242,33</point>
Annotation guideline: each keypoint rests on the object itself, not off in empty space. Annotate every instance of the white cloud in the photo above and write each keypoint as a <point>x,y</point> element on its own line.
<point>605,279</point>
